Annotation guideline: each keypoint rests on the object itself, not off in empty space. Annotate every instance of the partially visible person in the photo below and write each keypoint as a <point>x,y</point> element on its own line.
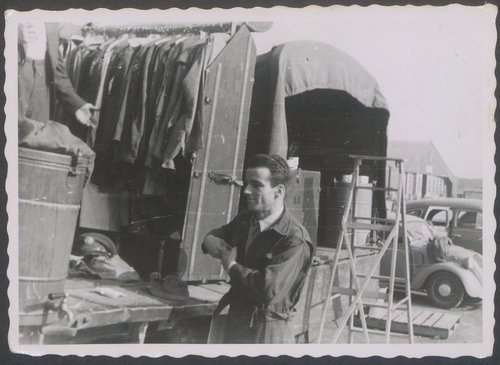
<point>267,254</point>
<point>42,76</point>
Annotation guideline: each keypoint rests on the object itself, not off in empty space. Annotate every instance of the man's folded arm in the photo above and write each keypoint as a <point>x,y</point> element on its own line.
<point>275,281</point>
<point>216,240</point>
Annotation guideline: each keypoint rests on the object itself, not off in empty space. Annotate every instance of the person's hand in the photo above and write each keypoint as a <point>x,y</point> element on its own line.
<point>84,115</point>
<point>227,258</point>
<point>215,246</point>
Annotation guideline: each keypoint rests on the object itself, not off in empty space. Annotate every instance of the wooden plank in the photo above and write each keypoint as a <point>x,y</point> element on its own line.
<point>399,315</point>
<point>432,319</point>
<point>417,314</point>
<point>381,313</point>
<point>101,318</point>
<point>216,288</point>
<point>201,293</point>
<point>422,318</point>
<point>447,321</point>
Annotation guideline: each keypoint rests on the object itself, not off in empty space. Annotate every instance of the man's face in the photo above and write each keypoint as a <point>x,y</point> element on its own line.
<point>261,197</point>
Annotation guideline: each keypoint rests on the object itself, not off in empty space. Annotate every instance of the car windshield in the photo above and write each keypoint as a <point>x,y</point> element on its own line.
<point>419,230</point>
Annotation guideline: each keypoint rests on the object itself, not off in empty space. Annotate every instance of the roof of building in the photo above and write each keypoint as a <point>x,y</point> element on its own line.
<point>419,157</point>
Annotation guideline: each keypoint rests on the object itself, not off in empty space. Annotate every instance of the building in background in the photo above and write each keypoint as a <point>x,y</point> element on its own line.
<point>470,188</point>
<point>427,174</point>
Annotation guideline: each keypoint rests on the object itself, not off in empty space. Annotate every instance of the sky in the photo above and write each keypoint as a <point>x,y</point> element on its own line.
<point>435,67</point>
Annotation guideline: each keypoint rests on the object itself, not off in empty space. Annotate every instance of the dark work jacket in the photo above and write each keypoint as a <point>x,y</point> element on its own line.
<point>267,279</point>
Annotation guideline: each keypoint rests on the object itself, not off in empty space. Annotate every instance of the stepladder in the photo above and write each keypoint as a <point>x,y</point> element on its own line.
<point>366,242</point>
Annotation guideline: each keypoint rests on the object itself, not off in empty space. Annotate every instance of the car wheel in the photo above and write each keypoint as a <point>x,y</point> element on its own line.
<point>445,290</point>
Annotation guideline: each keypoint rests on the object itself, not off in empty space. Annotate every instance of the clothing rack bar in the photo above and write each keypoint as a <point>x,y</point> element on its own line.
<point>175,28</point>
<point>145,30</point>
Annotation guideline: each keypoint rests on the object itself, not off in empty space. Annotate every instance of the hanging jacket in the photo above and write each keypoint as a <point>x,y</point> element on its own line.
<point>182,123</point>
<point>181,58</point>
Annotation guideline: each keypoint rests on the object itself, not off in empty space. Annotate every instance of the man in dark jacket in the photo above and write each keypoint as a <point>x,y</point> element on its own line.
<point>266,253</point>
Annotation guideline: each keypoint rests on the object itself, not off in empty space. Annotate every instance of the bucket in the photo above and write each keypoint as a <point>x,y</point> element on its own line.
<point>50,192</point>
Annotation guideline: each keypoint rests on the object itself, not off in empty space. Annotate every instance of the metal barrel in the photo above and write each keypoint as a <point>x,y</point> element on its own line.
<point>50,191</point>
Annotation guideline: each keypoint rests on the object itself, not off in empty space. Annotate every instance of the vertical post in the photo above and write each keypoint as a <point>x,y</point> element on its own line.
<point>329,288</point>
<point>394,257</point>
<point>407,267</point>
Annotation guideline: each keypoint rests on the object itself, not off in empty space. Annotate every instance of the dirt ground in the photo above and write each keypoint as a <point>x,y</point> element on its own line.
<point>468,330</point>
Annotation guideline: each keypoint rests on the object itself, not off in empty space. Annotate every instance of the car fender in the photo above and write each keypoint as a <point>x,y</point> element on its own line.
<point>472,285</point>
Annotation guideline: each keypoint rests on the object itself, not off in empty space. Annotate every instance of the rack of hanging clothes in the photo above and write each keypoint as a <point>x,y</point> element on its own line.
<point>145,83</point>
<point>145,89</point>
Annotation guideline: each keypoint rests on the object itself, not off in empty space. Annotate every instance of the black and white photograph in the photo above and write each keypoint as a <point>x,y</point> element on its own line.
<point>281,181</point>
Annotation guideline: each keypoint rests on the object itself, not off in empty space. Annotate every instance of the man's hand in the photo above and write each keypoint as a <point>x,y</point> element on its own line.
<point>215,246</point>
<point>84,115</point>
<point>227,258</point>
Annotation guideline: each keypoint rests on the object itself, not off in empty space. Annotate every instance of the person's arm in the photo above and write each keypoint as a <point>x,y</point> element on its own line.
<point>218,241</point>
<point>215,244</point>
<point>68,97</point>
<point>275,281</point>
<point>64,90</point>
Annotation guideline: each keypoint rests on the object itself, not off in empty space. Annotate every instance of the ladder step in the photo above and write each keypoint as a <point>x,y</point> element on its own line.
<point>382,277</point>
<point>375,219</point>
<point>376,158</point>
<point>374,188</point>
<point>370,227</point>
<point>375,248</point>
<point>352,292</point>
<point>378,305</point>
<point>378,332</point>
<point>342,291</point>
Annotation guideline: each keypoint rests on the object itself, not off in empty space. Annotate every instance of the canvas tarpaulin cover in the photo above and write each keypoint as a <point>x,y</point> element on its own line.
<point>313,96</point>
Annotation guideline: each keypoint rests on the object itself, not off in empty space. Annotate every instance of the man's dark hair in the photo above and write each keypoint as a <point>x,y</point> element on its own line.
<point>280,171</point>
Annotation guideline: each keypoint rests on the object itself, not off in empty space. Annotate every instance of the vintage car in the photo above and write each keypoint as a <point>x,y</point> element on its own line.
<point>446,272</point>
<point>461,219</point>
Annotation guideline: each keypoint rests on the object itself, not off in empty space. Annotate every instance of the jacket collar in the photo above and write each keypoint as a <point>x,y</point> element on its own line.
<point>282,225</point>
<point>269,221</point>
